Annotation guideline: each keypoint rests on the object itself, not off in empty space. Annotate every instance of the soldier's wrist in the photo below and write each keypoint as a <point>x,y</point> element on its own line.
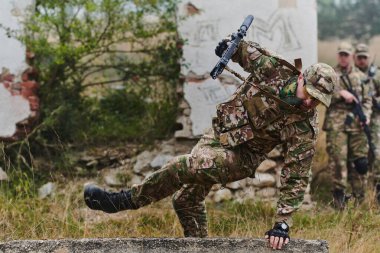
<point>284,217</point>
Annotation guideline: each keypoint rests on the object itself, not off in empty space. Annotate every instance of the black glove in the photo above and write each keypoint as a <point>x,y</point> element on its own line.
<point>280,229</point>
<point>221,47</point>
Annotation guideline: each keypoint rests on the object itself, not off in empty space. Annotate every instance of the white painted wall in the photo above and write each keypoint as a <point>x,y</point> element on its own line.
<point>288,27</point>
<point>12,52</point>
<point>12,56</point>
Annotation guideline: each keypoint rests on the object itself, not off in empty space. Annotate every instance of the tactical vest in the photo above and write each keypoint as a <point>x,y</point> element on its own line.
<point>233,124</point>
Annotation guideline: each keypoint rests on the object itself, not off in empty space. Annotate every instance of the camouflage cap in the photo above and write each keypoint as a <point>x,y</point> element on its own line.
<point>320,80</point>
<point>362,50</point>
<point>345,47</point>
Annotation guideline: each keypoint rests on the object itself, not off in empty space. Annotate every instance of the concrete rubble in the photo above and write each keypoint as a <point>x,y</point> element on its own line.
<point>3,175</point>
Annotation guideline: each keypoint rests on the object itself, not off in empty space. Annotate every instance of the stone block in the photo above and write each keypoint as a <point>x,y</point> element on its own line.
<point>266,165</point>
<point>221,195</point>
<point>263,180</point>
<point>268,192</point>
<point>160,245</point>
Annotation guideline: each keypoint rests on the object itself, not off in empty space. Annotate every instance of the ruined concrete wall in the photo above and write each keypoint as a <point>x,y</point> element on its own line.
<point>19,103</point>
<point>288,27</point>
<point>159,245</point>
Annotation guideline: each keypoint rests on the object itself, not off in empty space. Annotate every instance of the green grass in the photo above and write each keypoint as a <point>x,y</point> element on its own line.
<point>65,216</point>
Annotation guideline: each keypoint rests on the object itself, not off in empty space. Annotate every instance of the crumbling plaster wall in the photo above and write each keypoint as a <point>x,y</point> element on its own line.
<point>19,103</point>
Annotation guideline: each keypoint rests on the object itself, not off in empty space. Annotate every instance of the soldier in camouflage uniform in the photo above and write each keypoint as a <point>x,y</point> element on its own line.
<point>347,144</point>
<point>362,58</point>
<point>247,127</point>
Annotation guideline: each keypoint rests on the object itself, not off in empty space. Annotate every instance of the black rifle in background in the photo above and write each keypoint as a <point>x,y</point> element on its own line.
<point>358,112</point>
<point>235,40</point>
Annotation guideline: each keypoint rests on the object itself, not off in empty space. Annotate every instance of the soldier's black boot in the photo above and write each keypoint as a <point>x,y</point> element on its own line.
<point>109,202</point>
<point>378,193</point>
<point>340,199</point>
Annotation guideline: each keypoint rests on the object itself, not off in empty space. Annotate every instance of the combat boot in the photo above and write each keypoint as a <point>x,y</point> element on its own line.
<point>340,199</point>
<point>378,193</point>
<point>109,202</point>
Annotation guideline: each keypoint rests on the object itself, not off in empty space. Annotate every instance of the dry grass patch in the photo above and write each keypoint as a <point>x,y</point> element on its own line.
<point>65,216</point>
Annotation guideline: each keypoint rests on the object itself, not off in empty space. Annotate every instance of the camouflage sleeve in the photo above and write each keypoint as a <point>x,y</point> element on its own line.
<point>250,57</point>
<point>376,88</point>
<point>367,99</point>
<point>295,174</point>
<point>336,98</point>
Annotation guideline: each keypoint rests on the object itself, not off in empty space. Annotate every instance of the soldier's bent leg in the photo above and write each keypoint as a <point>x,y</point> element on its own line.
<point>189,204</point>
<point>375,168</point>
<point>358,164</point>
<point>336,148</point>
<point>206,165</point>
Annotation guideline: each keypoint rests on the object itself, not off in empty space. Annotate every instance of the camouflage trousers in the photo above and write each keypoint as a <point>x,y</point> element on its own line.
<point>375,134</point>
<point>191,177</point>
<point>343,149</point>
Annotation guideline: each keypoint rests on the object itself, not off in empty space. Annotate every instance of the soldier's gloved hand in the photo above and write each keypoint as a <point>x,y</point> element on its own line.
<point>348,97</point>
<point>221,47</point>
<point>278,236</point>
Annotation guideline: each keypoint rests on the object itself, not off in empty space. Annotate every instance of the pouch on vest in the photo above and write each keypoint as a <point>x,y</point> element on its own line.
<point>236,136</point>
<point>262,113</point>
<point>232,123</point>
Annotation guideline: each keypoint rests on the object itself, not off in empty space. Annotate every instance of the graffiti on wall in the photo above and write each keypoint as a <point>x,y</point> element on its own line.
<point>277,32</point>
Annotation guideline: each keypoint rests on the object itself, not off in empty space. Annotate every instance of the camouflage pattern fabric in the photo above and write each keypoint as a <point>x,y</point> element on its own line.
<point>343,148</point>
<point>346,143</point>
<point>375,134</point>
<point>191,177</point>
<point>248,126</point>
<point>375,125</point>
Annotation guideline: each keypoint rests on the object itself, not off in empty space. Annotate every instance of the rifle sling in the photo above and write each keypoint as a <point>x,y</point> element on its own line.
<point>268,94</point>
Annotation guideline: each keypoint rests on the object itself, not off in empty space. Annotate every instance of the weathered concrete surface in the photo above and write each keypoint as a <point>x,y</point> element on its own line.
<point>158,245</point>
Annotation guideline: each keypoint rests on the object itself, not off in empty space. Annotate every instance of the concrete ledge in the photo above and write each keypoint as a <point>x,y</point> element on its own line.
<point>159,245</point>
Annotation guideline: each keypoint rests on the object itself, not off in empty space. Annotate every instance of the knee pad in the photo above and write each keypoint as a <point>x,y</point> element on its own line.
<point>361,165</point>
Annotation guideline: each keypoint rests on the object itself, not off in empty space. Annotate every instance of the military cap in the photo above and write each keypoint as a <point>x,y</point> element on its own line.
<point>362,50</point>
<point>345,47</point>
<point>320,80</point>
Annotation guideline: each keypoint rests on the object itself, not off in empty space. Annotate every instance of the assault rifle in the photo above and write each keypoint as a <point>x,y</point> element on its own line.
<point>235,40</point>
<point>358,112</point>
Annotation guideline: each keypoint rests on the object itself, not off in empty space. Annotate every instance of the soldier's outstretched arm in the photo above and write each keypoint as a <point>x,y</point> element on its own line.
<point>250,57</point>
<point>294,179</point>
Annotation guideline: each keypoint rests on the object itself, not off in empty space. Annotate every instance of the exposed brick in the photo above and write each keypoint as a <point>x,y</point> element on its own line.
<point>34,102</point>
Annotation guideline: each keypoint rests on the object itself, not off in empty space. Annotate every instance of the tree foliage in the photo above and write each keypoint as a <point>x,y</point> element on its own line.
<point>359,20</point>
<point>108,69</point>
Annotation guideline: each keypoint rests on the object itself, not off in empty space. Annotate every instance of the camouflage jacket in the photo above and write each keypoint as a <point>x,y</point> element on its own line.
<point>252,120</point>
<point>375,88</point>
<point>338,111</point>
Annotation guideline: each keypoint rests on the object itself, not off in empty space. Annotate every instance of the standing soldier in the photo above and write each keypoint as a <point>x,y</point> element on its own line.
<point>247,127</point>
<point>362,59</point>
<point>347,144</point>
